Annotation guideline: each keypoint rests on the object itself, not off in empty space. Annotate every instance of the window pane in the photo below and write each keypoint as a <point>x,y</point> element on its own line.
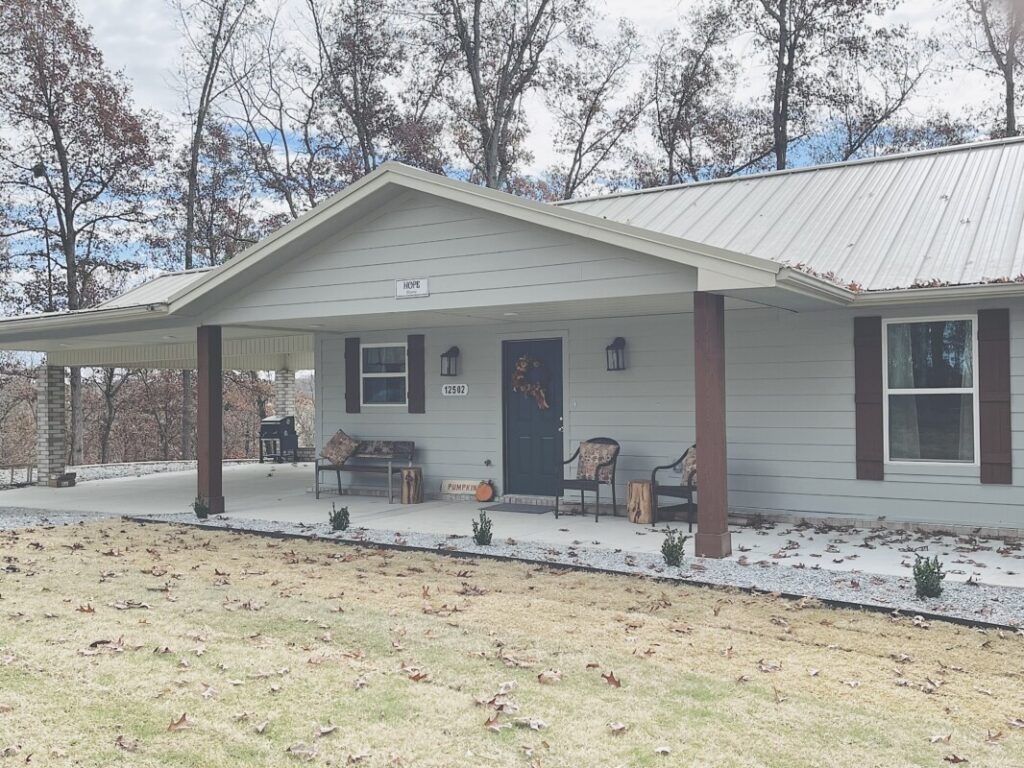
<point>383,359</point>
<point>930,355</point>
<point>931,427</point>
<point>384,389</point>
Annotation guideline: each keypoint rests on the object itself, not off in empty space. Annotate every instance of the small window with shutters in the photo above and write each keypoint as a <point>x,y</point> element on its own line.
<point>383,370</point>
<point>930,388</point>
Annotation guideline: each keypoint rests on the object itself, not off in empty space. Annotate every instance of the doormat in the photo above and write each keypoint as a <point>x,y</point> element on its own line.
<point>529,509</point>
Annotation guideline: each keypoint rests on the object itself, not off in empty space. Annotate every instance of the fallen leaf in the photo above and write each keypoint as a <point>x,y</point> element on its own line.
<point>550,677</point>
<point>612,680</point>
<point>941,739</point>
<point>261,727</point>
<point>301,751</point>
<point>180,724</point>
<point>618,728</point>
<point>955,759</point>
<point>325,730</point>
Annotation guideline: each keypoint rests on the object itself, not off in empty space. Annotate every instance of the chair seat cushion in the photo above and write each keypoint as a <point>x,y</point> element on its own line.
<point>339,448</point>
<point>592,455</point>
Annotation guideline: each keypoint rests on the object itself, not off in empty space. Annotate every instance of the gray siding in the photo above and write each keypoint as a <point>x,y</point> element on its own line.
<point>790,412</point>
<point>473,259</point>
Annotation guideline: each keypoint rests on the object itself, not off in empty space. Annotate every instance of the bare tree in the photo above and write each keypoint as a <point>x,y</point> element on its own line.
<point>109,383</point>
<point>291,137</point>
<point>502,47</point>
<point>210,28</point>
<point>991,33</point>
<point>871,78</point>
<point>795,36</point>
<point>77,169</point>
<point>588,100</point>
<point>699,128</point>
<point>361,50</point>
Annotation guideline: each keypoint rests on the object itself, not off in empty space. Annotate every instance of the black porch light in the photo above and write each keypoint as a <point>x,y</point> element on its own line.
<point>450,362</point>
<point>615,354</point>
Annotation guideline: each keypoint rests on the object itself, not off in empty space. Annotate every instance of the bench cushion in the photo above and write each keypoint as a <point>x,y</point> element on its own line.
<point>340,448</point>
<point>383,449</point>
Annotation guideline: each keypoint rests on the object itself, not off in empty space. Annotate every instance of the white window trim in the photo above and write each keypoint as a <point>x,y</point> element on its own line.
<point>404,375</point>
<point>972,390</point>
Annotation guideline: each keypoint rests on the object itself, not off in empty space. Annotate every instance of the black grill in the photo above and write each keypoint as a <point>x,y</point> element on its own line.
<point>278,440</point>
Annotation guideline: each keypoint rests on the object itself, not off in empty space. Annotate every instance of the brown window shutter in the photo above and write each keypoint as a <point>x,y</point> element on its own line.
<point>994,395</point>
<point>353,397</point>
<point>867,365</point>
<point>417,375</point>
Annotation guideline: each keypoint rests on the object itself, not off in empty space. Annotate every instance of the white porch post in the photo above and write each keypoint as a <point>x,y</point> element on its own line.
<point>51,437</point>
<point>284,392</point>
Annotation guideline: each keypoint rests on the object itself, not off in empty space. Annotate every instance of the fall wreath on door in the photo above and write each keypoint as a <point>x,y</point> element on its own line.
<point>530,378</point>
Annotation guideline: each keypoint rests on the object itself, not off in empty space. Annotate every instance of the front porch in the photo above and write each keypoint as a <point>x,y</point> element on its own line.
<point>279,497</point>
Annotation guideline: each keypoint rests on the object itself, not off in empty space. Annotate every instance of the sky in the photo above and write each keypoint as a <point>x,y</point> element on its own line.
<point>140,38</point>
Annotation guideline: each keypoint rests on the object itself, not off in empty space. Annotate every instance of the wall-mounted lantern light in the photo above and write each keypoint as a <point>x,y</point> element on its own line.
<point>615,354</point>
<point>450,362</point>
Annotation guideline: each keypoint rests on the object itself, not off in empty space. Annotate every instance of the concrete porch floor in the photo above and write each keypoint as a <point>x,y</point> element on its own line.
<point>283,493</point>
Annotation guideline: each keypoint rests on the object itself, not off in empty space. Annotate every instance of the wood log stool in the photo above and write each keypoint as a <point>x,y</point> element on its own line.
<point>639,505</point>
<point>412,485</point>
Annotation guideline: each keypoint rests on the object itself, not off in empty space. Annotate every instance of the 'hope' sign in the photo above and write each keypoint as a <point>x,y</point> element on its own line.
<point>412,288</point>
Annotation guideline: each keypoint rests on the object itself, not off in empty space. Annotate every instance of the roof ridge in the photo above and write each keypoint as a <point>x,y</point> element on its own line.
<point>965,147</point>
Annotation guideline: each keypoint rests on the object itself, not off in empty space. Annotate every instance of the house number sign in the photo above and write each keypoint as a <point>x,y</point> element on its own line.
<point>412,288</point>
<point>454,390</point>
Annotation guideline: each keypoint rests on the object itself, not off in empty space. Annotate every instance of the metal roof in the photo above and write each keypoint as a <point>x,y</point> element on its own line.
<point>950,216</point>
<point>159,290</point>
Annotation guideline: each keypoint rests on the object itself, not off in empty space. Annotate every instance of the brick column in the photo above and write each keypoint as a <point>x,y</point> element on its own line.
<point>713,538</point>
<point>210,418</point>
<point>284,392</point>
<point>51,438</point>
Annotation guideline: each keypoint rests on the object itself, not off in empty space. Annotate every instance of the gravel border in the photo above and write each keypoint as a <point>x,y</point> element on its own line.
<point>13,518</point>
<point>981,605</point>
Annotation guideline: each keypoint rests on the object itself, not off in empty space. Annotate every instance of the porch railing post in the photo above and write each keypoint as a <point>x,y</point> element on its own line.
<point>713,538</point>
<point>210,418</point>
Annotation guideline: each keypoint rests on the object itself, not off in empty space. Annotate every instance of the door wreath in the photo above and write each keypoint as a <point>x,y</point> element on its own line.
<point>530,377</point>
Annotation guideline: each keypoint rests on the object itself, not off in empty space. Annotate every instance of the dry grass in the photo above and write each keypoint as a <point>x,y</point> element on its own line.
<point>241,631</point>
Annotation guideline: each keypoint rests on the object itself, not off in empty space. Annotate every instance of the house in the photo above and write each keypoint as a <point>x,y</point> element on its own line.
<point>840,341</point>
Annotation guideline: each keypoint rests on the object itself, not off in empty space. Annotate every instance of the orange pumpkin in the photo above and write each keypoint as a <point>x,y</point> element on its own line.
<point>485,491</point>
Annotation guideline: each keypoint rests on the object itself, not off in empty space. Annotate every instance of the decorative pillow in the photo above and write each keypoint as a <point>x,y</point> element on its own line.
<point>339,448</point>
<point>690,466</point>
<point>591,456</point>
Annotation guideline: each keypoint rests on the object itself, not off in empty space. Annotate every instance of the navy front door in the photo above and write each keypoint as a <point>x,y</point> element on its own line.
<point>532,403</point>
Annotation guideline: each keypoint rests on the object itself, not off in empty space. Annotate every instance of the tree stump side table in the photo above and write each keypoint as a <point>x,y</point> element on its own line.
<point>639,504</point>
<point>412,485</point>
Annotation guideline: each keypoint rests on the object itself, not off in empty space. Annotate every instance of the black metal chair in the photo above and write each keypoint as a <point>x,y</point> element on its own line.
<point>590,472</point>
<point>684,489</point>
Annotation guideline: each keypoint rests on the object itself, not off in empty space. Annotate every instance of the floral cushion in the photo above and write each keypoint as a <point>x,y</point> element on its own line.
<point>339,448</point>
<point>591,456</point>
<point>690,466</point>
<point>385,449</point>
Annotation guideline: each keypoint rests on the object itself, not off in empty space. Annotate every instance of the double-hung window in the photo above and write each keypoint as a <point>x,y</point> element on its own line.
<point>383,374</point>
<point>931,398</point>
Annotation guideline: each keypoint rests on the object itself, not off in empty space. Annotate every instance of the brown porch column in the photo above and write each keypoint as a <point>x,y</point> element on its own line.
<point>210,417</point>
<point>713,538</point>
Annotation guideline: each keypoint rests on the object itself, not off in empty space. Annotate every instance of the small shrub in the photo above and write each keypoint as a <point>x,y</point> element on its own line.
<point>339,518</point>
<point>482,530</point>
<point>672,547</point>
<point>200,508</point>
<point>928,577</point>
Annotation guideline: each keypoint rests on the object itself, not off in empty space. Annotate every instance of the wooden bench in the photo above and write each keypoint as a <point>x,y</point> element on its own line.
<point>382,457</point>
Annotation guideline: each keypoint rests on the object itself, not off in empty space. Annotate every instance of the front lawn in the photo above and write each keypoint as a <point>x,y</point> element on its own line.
<point>123,644</point>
